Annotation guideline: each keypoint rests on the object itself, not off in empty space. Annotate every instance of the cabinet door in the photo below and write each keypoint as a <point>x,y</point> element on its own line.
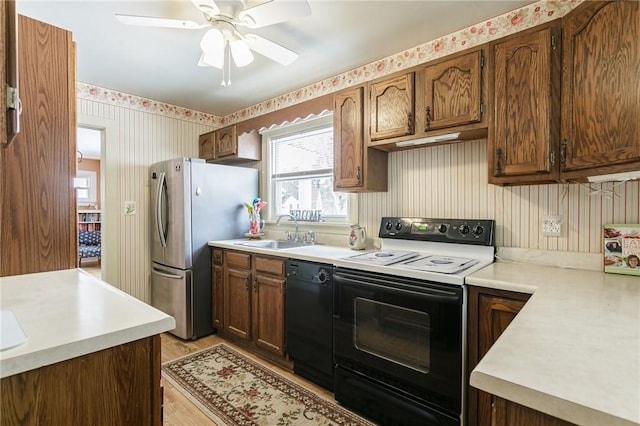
<point>601,89</point>
<point>507,413</point>
<point>218,298</point>
<point>489,313</point>
<point>237,300</point>
<point>496,313</point>
<point>348,139</point>
<point>391,103</point>
<point>226,142</point>
<point>38,230</point>
<point>206,146</point>
<point>523,137</point>
<point>268,313</point>
<point>453,92</point>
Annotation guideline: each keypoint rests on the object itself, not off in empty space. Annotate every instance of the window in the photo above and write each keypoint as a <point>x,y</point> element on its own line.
<point>300,173</point>
<point>85,183</point>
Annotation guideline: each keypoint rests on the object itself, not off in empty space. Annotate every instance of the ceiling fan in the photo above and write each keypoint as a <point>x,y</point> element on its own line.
<point>223,40</point>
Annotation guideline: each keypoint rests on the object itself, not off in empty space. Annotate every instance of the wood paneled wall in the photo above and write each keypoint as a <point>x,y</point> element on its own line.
<point>451,181</point>
<point>133,141</point>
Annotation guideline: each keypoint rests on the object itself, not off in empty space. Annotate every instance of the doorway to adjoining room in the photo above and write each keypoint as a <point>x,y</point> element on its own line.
<point>89,198</point>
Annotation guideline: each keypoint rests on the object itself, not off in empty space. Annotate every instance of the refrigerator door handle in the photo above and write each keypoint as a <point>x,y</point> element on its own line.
<point>161,231</point>
<point>166,275</point>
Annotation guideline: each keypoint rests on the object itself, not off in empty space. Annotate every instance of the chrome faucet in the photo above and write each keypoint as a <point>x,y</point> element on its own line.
<point>294,219</point>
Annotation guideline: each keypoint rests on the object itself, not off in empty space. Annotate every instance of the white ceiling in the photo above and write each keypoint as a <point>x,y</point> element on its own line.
<point>160,64</point>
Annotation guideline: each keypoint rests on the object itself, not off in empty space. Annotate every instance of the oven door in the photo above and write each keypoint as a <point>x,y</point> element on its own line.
<point>405,333</point>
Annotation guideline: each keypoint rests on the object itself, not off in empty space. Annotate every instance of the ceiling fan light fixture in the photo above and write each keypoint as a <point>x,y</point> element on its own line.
<point>213,41</point>
<point>211,60</point>
<point>241,53</point>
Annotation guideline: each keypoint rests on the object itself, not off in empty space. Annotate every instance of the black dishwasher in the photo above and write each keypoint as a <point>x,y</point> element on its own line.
<point>309,320</point>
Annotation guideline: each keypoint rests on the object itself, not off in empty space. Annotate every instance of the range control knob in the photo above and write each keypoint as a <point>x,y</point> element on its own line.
<point>477,230</point>
<point>464,229</point>
<point>388,226</point>
<point>442,228</point>
<point>398,226</point>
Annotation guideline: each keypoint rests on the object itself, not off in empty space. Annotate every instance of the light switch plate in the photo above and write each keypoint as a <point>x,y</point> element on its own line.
<point>551,225</point>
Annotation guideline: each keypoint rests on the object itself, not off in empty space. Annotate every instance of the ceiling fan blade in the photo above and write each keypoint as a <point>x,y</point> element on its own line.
<point>274,12</point>
<point>270,49</point>
<point>148,21</point>
<point>208,7</point>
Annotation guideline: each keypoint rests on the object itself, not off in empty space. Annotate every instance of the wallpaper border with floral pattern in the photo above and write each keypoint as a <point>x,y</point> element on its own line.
<point>511,22</point>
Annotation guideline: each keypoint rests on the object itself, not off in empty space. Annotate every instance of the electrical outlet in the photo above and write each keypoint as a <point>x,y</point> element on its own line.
<point>551,225</point>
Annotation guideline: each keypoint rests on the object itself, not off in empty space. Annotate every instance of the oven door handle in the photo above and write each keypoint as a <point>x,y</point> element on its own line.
<point>435,295</point>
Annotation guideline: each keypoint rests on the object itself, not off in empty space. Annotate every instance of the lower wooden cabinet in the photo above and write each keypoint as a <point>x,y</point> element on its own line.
<point>115,386</point>
<point>507,413</point>
<point>489,313</point>
<point>252,292</point>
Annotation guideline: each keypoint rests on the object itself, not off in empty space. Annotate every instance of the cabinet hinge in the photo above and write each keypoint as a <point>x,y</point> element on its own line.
<point>12,97</point>
<point>481,61</point>
<point>483,108</point>
<point>552,158</point>
<point>553,42</point>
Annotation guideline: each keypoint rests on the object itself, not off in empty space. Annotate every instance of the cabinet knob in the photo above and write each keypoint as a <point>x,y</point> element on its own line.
<point>498,161</point>
<point>358,175</point>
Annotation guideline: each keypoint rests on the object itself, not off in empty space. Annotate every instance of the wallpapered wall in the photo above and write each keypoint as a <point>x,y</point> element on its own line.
<point>134,140</point>
<point>451,181</point>
<point>442,181</point>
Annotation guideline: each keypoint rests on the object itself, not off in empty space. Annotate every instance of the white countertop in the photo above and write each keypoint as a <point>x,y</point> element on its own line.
<point>573,351</point>
<point>69,313</point>
<point>314,253</point>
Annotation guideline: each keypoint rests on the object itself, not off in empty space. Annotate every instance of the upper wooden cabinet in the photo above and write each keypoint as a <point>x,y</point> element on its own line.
<point>597,104</point>
<point>391,105</point>
<point>600,89</point>
<point>356,167</point>
<point>226,146</point>
<point>206,147</point>
<point>525,129</point>
<point>451,93</point>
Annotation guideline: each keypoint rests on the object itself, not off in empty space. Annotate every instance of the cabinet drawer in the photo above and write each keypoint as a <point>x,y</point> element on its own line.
<point>236,259</point>
<point>270,265</point>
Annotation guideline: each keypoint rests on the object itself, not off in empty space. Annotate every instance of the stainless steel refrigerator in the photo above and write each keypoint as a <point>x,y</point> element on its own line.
<point>193,202</point>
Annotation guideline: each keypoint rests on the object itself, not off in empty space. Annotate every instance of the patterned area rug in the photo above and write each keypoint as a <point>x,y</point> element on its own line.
<point>234,390</point>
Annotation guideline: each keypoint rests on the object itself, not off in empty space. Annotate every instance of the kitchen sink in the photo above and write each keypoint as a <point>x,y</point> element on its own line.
<point>273,244</point>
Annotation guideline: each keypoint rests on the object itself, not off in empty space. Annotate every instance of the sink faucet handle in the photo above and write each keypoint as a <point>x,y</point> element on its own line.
<point>311,237</point>
<point>288,235</point>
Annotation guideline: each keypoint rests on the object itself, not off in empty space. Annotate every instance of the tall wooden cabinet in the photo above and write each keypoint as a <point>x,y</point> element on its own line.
<point>357,168</point>
<point>37,200</point>
<point>524,135</point>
